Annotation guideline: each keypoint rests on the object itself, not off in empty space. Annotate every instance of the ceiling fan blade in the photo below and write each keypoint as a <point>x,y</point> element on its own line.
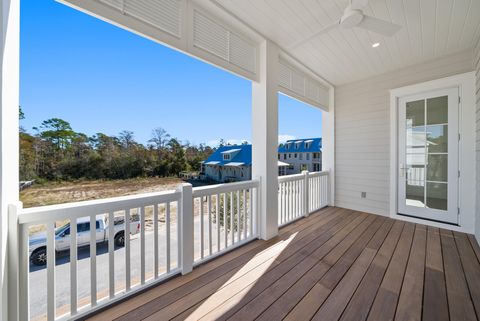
<point>379,26</point>
<point>324,30</point>
<point>358,4</point>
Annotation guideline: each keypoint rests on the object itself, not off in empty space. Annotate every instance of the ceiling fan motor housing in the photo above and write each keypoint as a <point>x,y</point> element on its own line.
<point>351,18</point>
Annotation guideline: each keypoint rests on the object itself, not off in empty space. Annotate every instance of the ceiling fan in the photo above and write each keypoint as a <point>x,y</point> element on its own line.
<point>353,16</point>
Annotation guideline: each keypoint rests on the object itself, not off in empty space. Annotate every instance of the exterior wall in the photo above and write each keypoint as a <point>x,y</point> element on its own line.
<point>477,145</point>
<point>297,162</point>
<point>362,125</point>
<point>212,172</point>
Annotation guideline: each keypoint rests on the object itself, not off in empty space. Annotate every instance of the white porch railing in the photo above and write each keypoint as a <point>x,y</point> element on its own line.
<point>177,230</point>
<point>175,233</point>
<point>301,194</point>
<point>227,218</point>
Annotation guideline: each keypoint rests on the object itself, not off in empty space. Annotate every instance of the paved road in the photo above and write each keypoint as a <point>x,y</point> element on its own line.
<point>38,275</point>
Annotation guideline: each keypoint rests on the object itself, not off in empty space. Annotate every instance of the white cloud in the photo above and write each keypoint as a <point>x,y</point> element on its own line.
<point>282,138</point>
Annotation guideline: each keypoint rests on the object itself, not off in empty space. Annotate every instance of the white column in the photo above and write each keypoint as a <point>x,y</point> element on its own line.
<point>9,92</point>
<point>265,139</point>
<point>328,144</point>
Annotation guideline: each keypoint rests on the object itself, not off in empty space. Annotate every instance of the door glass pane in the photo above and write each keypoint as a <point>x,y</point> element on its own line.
<point>437,169</point>
<point>437,110</point>
<point>415,172</point>
<point>437,196</point>
<point>415,113</point>
<point>426,153</point>
<point>415,195</point>
<point>416,140</point>
<point>437,138</point>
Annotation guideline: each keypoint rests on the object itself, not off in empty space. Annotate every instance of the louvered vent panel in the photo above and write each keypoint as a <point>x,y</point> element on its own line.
<point>284,74</point>
<point>210,36</point>
<point>313,91</point>
<point>298,83</point>
<point>117,4</point>
<point>242,54</point>
<point>162,14</point>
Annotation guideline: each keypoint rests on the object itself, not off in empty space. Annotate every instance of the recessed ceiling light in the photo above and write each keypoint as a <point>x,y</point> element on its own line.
<point>376,44</point>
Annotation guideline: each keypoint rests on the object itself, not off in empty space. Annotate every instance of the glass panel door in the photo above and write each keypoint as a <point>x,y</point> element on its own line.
<point>428,155</point>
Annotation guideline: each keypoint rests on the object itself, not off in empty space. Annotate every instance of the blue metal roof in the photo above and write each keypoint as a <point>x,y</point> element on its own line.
<point>298,146</point>
<point>244,155</point>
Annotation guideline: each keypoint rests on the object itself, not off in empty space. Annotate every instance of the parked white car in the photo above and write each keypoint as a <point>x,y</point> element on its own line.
<point>38,242</point>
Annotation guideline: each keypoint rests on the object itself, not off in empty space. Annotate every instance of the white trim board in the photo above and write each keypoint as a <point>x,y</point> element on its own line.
<point>466,84</point>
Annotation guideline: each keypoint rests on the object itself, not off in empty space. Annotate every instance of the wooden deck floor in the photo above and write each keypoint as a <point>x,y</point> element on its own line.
<point>336,264</point>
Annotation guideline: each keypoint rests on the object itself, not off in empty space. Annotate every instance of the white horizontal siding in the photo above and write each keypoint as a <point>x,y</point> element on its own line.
<point>362,129</point>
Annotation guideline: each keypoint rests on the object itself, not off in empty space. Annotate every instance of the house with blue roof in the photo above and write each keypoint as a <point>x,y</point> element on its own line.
<point>234,163</point>
<point>301,155</point>
<point>229,164</point>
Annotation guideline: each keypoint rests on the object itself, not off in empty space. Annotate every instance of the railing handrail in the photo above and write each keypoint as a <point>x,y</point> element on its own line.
<point>224,188</point>
<point>294,177</point>
<point>289,178</point>
<point>317,174</point>
<point>43,214</point>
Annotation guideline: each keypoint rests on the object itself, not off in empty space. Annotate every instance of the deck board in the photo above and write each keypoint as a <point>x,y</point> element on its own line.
<point>336,264</point>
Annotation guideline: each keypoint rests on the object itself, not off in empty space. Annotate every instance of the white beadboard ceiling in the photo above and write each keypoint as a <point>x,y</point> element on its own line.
<point>430,29</point>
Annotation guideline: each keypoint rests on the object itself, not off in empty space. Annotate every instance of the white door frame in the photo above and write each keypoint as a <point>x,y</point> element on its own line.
<point>466,200</point>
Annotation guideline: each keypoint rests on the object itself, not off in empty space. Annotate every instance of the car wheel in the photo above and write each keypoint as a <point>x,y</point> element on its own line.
<point>39,257</point>
<point>120,239</point>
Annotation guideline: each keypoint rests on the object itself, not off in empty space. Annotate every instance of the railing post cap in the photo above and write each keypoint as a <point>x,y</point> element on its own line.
<point>305,172</point>
<point>184,185</point>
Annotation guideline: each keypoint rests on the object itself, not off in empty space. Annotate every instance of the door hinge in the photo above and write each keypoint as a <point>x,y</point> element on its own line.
<point>459,136</point>
<point>458,173</point>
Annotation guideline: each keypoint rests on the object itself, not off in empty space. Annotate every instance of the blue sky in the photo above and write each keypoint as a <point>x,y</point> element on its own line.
<point>102,78</point>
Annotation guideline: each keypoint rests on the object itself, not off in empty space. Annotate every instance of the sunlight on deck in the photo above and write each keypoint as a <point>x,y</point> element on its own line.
<point>241,282</point>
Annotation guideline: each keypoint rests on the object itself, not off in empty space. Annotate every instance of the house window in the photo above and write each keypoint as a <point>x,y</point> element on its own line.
<point>295,155</point>
<point>304,167</point>
<point>307,145</point>
<point>308,156</point>
<point>301,156</point>
<point>278,156</point>
<point>284,156</point>
<point>289,155</point>
<point>226,156</point>
<point>290,167</point>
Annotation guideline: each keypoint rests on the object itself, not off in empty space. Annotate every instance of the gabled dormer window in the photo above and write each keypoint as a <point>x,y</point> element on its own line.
<point>308,143</point>
<point>226,156</point>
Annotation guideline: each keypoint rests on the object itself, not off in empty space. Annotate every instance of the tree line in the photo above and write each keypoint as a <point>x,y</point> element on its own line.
<point>54,151</point>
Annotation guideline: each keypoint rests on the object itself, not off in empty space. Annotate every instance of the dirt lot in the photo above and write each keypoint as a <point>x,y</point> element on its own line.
<point>66,192</point>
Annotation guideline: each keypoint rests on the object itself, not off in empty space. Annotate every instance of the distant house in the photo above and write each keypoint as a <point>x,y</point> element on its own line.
<point>234,163</point>
<point>301,154</point>
<point>229,164</point>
